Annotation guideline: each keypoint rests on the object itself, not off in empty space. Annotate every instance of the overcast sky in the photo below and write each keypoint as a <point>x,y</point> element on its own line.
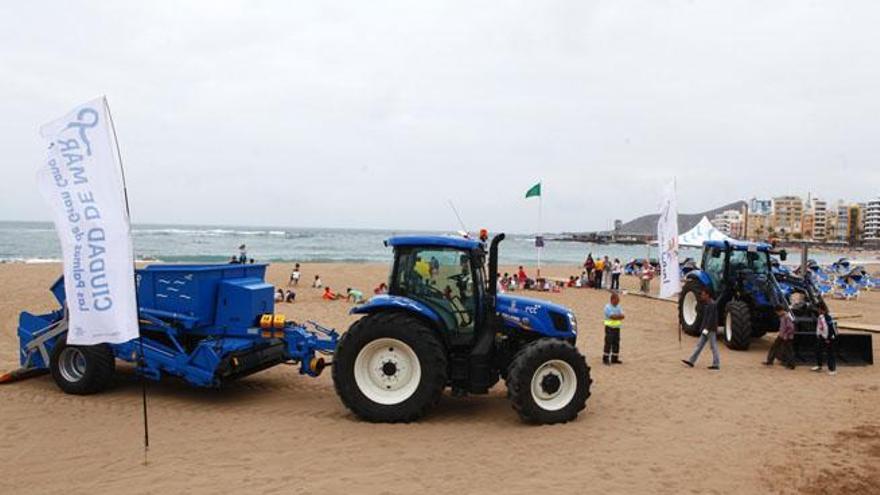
<point>374,114</point>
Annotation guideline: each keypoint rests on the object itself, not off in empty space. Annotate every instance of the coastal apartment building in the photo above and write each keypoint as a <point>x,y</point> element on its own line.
<point>818,217</point>
<point>872,222</point>
<point>731,222</point>
<point>788,213</point>
<point>760,206</point>
<point>838,223</point>
<point>757,226</point>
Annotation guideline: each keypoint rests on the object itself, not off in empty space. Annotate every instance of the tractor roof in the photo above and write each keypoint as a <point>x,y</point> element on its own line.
<point>738,245</point>
<point>434,241</point>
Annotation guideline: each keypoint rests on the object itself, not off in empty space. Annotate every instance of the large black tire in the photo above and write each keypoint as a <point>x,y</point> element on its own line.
<point>82,370</point>
<point>689,316</point>
<point>566,387</point>
<point>409,338</point>
<point>737,326</point>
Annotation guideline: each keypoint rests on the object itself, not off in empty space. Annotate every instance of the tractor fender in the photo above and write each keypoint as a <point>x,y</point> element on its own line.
<point>386,302</point>
<point>700,276</point>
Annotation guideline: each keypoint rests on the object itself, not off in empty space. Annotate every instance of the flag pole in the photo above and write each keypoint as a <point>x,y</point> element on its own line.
<point>540,231</point>
<point>137,302</point>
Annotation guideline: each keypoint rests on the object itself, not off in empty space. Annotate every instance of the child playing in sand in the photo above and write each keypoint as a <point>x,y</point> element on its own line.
<point>613,322</point>
<point>294,276</point>
<point>354,295</point>
<point>329,295</point>
<point>521,277</point>
<point>782,346</point>
<point>317,284</point>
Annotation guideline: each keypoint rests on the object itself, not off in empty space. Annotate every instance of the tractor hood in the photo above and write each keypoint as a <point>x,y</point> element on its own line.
<point>536,315</point>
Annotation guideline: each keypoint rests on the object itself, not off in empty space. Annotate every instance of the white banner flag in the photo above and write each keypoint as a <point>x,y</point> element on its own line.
<point>81,180</point>
<point>667,241</point>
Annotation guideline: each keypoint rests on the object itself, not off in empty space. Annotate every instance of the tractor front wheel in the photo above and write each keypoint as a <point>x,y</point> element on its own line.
<point>689,316</point>
<point>389,368</point>
<point>548,382</point>
<point>82,369</point>
<point>737,326</point>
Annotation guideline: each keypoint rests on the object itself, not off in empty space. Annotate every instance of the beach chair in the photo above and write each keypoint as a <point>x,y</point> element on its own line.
<point>825,289</point>
<point>850,292</point>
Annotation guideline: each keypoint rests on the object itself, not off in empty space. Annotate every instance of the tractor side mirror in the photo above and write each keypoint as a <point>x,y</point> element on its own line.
<point>783,255</point>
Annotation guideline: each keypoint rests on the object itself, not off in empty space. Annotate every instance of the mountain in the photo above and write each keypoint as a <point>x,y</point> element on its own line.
<point>647,224</point>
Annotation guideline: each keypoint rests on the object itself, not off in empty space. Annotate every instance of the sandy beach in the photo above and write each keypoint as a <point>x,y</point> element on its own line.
<point>651,425</point>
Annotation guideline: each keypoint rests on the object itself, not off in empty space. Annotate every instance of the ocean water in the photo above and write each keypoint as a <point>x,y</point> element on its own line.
<point>37,242</point>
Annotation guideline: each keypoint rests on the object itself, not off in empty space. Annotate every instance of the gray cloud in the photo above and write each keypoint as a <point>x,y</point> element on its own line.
<point>373,114</point>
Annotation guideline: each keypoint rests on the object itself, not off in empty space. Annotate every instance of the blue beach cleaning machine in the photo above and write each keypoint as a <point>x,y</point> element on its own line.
<point>207,324</point>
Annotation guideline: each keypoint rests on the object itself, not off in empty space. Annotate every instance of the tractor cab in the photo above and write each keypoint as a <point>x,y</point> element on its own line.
<point>445,274</point>
<point>725,262</point>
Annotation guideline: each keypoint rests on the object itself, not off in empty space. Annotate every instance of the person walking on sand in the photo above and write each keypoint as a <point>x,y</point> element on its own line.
<point>647,276</point>
<point>826,338</point>
<point>613,322</point>
<point>782,346</point>
<point>709,332</point>
<point>606,273</point>
<point>294,276</point>
<point>616,270</point>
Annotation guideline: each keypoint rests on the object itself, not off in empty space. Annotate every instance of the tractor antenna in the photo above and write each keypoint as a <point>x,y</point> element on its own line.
<point>460,221</point>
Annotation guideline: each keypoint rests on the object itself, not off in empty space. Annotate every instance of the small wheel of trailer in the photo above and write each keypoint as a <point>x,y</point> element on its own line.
<point>689,316</point>
<point>389,368</point>
<point>737,326</point>
<point>82,370</point>
<point>549,382</point>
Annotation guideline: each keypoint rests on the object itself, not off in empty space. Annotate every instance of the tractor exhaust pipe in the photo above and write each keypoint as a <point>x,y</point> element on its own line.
<point>480,362</point>
<point>493,271</point>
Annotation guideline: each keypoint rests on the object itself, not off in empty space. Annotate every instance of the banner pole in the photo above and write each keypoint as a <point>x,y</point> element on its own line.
<point>137,302</point>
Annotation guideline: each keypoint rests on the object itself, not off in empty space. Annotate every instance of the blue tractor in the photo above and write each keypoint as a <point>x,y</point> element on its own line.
<point>740,277</point>
<point>206,324</point>
<point>443,324</point>
<point>748,282</point>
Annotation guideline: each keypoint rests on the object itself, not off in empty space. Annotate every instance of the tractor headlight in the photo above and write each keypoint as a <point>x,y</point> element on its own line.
<point>572,320</point>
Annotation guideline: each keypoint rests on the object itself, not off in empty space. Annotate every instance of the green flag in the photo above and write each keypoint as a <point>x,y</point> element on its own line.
<point>534,190</point>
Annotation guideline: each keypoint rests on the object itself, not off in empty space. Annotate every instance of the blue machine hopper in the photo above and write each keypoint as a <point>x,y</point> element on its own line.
<point>198,322</point>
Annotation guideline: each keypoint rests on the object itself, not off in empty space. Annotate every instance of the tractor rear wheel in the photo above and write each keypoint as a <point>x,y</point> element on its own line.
<point>82,369</point>
<point>548,382</point>
<point>737,326</point>
<point>389,368</point>
<point>689,316</point>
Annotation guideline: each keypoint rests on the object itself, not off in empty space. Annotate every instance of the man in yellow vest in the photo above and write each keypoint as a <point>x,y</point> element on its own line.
<point>613,321</point>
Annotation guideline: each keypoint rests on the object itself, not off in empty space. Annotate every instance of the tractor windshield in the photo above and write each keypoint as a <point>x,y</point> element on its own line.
<point>442,279</point>
<point>757,262</point>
